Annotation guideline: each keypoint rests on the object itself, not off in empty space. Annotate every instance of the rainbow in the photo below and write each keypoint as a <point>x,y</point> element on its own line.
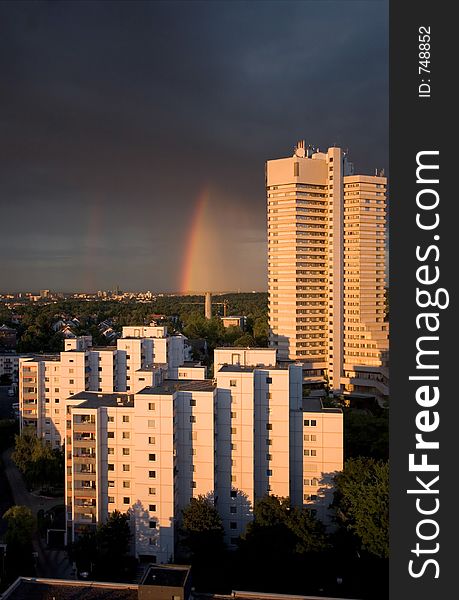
<point>191,263</point>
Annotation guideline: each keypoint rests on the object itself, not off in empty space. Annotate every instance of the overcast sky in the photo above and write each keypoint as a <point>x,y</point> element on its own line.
<point>116,117</point>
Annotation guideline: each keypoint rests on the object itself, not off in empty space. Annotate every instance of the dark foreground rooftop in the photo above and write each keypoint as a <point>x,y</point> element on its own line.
<point>168,576</point>
<point>48,589</point>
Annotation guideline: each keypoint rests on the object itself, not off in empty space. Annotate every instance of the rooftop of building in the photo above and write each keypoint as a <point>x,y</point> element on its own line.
<point>169,386</point>
<point>29,588</point>
<point>225,368</point>
<point>43,357</point>
<point>166,575</point>
<point>98,399</point>
<point>236,348</point>
<point>314,404</point>
<point>150,368</point>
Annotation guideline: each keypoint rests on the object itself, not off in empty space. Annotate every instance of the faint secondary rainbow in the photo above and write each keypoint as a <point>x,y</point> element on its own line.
<point>191,262</point>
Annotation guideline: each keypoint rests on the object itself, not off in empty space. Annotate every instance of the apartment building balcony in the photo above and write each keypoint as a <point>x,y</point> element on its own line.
<point>84,443</point>
<point>79,476</point>
<point>84,428</point>
<point>86,517</point>
<point>80,493</point>
<point>84,460</point>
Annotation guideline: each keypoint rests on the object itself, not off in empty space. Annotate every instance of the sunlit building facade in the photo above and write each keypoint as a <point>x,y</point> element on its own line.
<point>326,268</point>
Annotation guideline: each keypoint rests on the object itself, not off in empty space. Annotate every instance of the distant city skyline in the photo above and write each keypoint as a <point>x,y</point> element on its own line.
<point>134,135</point>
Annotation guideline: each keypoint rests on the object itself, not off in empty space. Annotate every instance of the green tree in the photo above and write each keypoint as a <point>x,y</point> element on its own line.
<point>309,532</point>
<point>104,551</point>
<point>202,529</point>
<point>361,502</point>
<point>261,330</point>
<point>40,464</point>
<point>20,527</point>
<point>366,434</point>
<point>245,340</point>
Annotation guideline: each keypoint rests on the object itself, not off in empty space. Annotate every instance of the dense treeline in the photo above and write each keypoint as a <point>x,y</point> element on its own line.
<point>286,549</point>
<point>34,322</point>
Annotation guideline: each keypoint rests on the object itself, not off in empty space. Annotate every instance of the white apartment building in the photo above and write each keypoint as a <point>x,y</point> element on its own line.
<point>175,435</point>
<point>326,268</point>
<point>233,439</point>
<point>45,381</point>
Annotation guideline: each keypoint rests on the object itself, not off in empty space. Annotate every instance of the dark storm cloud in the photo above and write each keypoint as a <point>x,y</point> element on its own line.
<point>113,116</point>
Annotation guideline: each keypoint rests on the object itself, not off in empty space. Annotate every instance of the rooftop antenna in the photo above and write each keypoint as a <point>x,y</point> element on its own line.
<point>300,151</point>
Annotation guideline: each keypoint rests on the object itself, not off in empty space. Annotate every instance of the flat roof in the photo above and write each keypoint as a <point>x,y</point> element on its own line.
<point>43,357</point>
<point>169,576</point>
<point>98,399</point>
<point>44,589</point>
<point>169,386</point>
<point>249,368</point>
<point>314,404</point>
<point>236,348</point>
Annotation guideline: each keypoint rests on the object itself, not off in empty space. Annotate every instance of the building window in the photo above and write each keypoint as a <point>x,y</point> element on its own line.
<point>126,500</point>
<point>233,510</point>
<point>152,524</point>
<point>126,451</point>
<point>152,507</point>
<point>310,452</point>
<point>151,423</point>
<point>110,450</point>
<point>233,525</point>
<point>125,418</point>
<point>151,406</point>
<point>152,491</point>
<point>233,493</point>
<point>111,467</point>
<point>296,169</point>
<point>126,467</point>
<point>126,484</point>
<point>110,434</point>
<point>152,474</point>
<point>193,484</point>
<point>126,435</point>
<point>111,499</point>
<point>269,379</point>
<point>233,415</point>
<point>269,426</point>
<point>269,472</point>
<point>233,382</point>
<point>192,419</point>
<point>233,430</point>
<point>310,422</point>
<point>192,402</point>
<point>269,457</point>
<point>110,418</point>
<point>152,457</point>
<point>151,440</point>
<point>269,442</point>
<point>111,483</point>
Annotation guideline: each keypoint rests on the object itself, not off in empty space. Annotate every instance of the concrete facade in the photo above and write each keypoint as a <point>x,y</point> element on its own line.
<point>326,267</point>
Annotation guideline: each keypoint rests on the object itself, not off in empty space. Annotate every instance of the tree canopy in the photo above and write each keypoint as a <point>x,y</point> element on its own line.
<point>40,464</point>
<point>202,529</point>
<point>362,503</point>
<point>103,551</point>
